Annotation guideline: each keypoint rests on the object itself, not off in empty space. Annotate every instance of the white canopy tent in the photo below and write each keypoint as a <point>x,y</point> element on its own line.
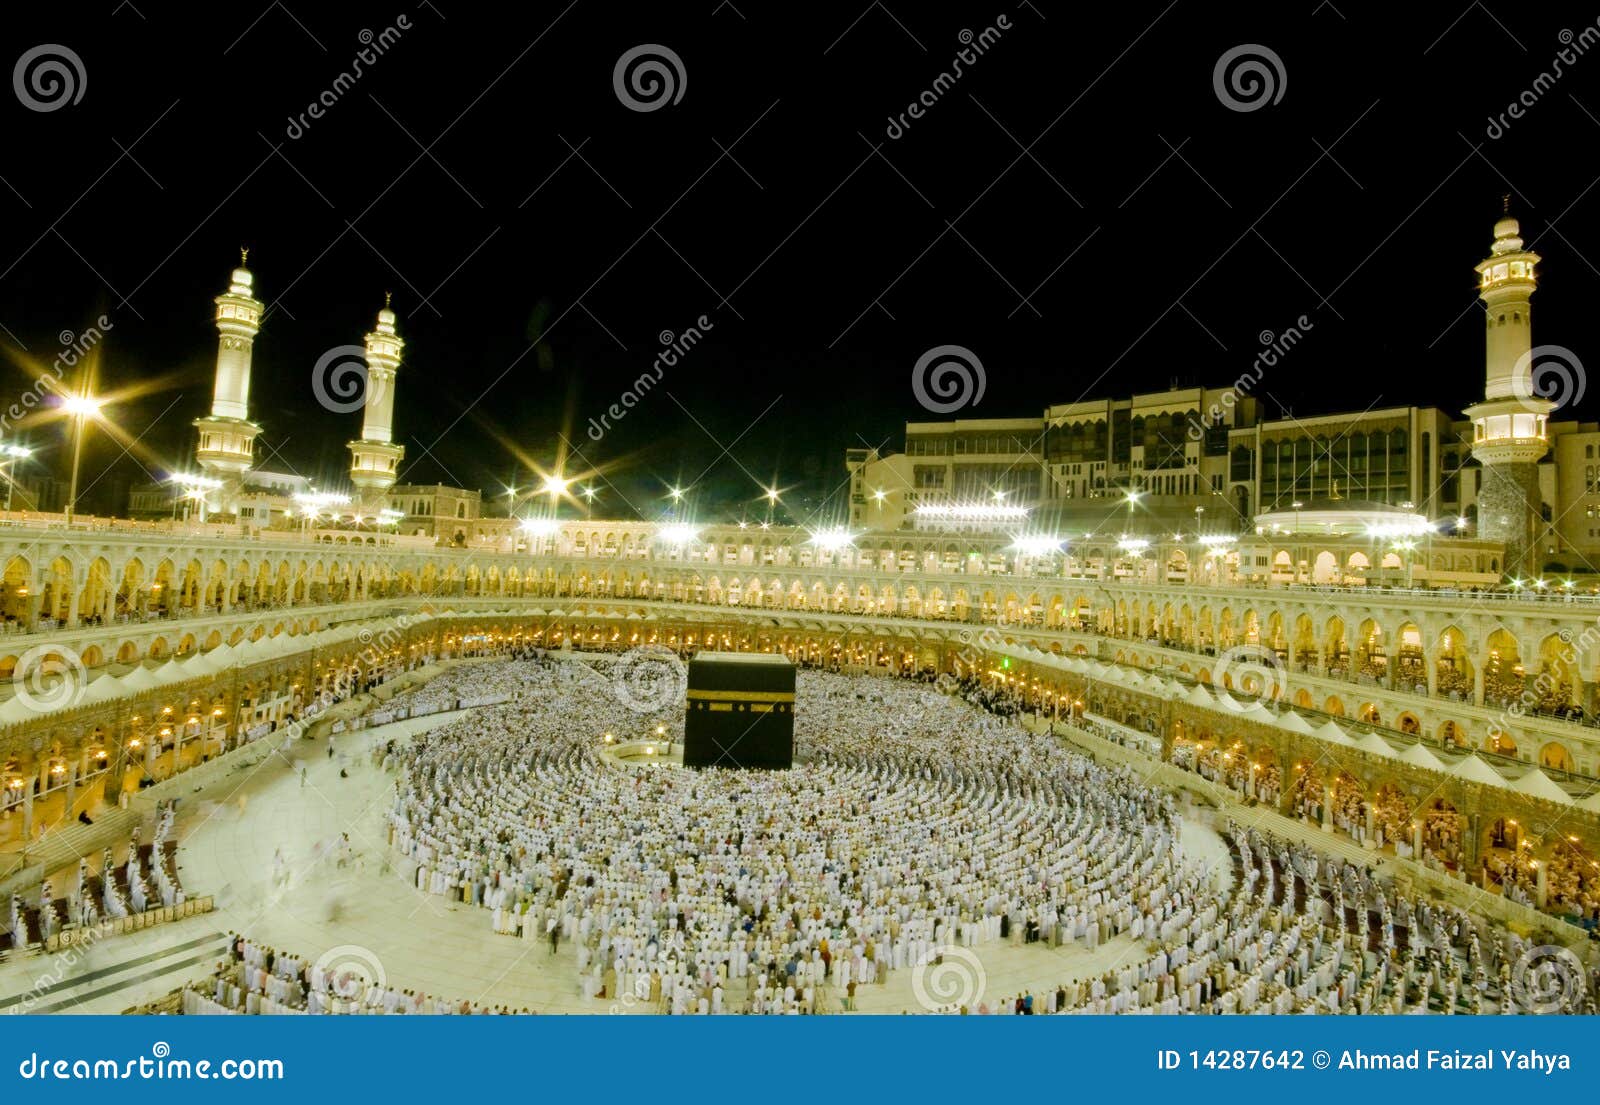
<point>1291,720</point>
<point>1536,784</point>
<point>1333,734</point>
<point>1420,755</point>
<point>1371,742</point>
<point>1473,769</point>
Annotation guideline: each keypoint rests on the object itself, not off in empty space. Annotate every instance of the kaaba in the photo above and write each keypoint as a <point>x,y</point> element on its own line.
<point>740,711</point>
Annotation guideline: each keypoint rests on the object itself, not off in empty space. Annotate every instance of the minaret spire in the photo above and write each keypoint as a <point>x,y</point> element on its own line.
<point>1509,426</point>
<point>226,447</point>
<point>375,458</point>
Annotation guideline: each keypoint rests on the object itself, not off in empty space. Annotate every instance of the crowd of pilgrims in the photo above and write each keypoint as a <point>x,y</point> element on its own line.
<point>1386,818</point>
<point>147,880</point>
<point>259,980</point>
<point>917,819</point>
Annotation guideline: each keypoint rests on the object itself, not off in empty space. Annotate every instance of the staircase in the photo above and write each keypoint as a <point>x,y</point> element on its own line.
<point>68,842</point>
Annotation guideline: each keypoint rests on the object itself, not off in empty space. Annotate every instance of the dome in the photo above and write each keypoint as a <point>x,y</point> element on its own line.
<point>1507,235</point>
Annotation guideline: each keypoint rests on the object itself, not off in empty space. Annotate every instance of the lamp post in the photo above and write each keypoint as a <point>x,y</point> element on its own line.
<point>12,454</point>
<point>80,407</point>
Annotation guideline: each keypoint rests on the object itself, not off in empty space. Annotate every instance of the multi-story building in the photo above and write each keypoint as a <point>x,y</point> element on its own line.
<point>1208,461</point>
<point>435,510</point>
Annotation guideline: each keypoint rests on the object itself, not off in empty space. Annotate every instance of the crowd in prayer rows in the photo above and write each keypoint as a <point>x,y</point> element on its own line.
<point>919,820</point>
<point>259,980</point>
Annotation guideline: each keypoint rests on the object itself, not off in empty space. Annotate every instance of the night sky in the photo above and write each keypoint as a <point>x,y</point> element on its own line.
<point>1080,209</point>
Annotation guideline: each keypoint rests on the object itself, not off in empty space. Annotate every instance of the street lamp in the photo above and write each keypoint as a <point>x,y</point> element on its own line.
<point>12,453</point>
<point>81,407</point>
<point>542,530</point>
<point>556,486</point>
<point>194,489</point>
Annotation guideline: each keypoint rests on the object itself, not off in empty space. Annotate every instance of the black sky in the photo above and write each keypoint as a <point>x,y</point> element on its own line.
<point>1361,199</point>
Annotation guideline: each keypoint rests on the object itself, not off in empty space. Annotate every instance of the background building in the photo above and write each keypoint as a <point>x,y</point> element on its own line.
<point>1205,460</point>
<point>434,510</point>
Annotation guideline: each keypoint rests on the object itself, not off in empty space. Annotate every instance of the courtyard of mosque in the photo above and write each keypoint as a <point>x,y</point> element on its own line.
<point>936,849</point>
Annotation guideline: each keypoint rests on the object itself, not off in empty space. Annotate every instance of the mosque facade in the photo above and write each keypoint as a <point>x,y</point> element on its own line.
<point>1229,639</point>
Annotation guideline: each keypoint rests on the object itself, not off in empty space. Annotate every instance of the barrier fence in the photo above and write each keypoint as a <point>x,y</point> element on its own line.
<point>133,922</point>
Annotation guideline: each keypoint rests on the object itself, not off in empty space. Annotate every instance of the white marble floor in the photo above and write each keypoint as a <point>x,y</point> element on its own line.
<point>366,911</point>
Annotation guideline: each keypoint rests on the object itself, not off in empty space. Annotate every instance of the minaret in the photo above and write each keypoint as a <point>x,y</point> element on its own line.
<point>226,448</point>
<point>1509,435</point>
<point>375,459</point>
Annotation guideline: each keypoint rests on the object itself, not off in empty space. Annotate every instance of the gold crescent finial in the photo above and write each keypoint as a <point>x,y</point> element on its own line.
<point>244,255</point>
<point>386,299</point>
<point>1505,204</point>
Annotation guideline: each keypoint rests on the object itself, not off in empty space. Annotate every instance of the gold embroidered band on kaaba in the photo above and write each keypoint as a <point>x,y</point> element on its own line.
<point>740,696</point>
